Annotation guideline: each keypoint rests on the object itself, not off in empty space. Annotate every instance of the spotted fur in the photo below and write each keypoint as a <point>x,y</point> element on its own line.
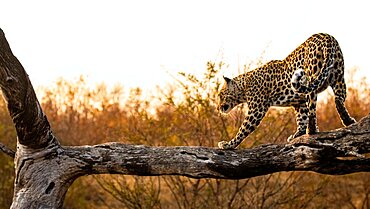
<point>295,81</point>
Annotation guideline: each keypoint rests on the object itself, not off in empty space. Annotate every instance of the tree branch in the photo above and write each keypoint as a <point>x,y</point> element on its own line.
<point>31,124</point>
<point>7,150</point>
<point>337,152</point>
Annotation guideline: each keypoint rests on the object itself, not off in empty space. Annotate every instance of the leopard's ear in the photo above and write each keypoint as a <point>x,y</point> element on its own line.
<point>228,80</point>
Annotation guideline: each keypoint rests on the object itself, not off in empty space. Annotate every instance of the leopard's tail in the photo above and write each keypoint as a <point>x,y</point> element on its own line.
<point>302,84</point>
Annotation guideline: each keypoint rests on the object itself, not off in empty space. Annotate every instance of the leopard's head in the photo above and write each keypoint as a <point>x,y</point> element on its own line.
<point>227,96</point>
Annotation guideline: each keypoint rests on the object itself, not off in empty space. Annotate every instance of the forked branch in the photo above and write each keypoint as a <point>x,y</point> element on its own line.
<point>45,170</point>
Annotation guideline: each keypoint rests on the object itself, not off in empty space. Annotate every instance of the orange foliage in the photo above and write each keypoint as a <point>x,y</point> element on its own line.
<point>184,114</point>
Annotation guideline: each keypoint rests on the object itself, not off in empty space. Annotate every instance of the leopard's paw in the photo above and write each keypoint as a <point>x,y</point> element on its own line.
<point>222,144</point>
<point>295,135</point>
<point>225,145</point>
<point>290,138</point>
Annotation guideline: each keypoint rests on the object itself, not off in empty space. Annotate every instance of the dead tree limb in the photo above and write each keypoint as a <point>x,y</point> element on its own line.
<point>7,150</point>
<point>45,169</point>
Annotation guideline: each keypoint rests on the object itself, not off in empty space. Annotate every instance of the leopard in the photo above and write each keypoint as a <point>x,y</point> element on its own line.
<point>294,82</point>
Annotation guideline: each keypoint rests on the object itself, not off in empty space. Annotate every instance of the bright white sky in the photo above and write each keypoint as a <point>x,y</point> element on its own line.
<point>136,42</point>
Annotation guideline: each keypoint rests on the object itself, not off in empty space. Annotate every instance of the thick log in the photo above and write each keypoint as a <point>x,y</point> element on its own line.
<point>45,169</point>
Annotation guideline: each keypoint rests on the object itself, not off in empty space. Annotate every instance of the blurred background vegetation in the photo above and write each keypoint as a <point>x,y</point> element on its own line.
<point>184,114</point>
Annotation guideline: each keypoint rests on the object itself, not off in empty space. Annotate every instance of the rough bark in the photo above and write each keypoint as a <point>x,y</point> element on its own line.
<point>45,169</point>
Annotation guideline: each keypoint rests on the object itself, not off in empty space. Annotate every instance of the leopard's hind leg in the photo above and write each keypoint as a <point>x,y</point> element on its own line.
<point>301,112</point>
<point>339,90</point>
<point>312,119</point>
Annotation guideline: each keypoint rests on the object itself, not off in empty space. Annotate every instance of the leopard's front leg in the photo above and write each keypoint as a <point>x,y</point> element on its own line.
<point>250,123</point>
